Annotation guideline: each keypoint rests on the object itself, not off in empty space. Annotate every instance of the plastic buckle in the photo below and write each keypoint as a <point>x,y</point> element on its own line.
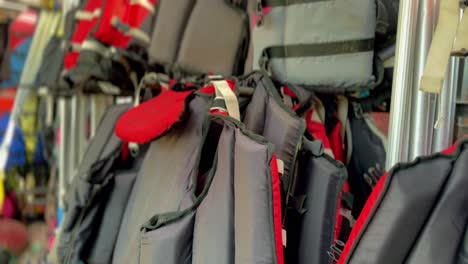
<point>265,64</point>
<point>212,77</point>
<point>358,110</point>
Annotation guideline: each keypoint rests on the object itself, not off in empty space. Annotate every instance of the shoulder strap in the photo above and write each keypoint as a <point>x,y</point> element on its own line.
<point>441,46</point>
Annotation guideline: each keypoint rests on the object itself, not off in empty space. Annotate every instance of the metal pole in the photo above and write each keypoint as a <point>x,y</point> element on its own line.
<point>82,139</point>
<point>402,83</point>
<point>443,137</point>
<point>64,148</point>
<point>424,104</point>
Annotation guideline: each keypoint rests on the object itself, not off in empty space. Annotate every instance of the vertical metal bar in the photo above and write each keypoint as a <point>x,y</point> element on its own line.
<point>98,107</point>
<point>424,104</point>
<point>402,82</point>
<point>82,128</point>
<point>443,137</point>
<point>64,128</point>
<point>72,140</point>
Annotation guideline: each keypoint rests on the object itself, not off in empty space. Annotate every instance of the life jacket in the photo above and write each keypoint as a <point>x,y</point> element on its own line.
<point>307,171</point>
<point>415,213</point>
<point>86,14</point>
<point>164,181</point>
<point>331,50</point>
<point>191,36</point>
<point>117,46</point>
<point>368,151</point>
<point>268,116</point>
<point>98,197</point>
<point>121,20</point>
<point>312,209</point>
<point>227,163</point>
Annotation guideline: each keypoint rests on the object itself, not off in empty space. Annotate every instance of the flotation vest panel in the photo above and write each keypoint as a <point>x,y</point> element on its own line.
<point>313,199</point>
<point>164,178</point>
<point>191,36</point>
<point>397,222</point>
<point>333,47</point>
<point>97,200</point>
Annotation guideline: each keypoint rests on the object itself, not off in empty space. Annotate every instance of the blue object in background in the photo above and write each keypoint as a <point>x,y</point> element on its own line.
<point>17,61</point>
<point>17,151</point>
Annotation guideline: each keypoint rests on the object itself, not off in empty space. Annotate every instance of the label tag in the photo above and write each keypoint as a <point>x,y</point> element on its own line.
<point>284,237</point>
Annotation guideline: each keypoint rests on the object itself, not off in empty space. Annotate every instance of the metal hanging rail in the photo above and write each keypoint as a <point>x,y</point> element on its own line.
<point>398,137</point>
<point>412,115</point>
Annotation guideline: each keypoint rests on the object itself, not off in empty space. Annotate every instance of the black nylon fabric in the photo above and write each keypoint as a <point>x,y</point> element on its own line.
<point>462,257</point>
<point>96,202</point>
<point>311,212</point>
<point>368,152</point>
<point>410,198</point>
<point>92,68</point>
<point>443,231</point>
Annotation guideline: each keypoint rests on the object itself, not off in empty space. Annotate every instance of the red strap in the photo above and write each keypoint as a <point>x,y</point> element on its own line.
<point>358,226</point>
<point>277,210</point>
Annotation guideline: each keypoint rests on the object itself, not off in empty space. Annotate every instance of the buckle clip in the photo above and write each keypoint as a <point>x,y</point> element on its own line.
<point>264,63</point>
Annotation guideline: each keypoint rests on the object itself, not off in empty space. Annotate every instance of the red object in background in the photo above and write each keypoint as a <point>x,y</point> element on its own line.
<point>7,99</point>
<point>13,236</point>
<point>382,121</point>
<point>22,27</point>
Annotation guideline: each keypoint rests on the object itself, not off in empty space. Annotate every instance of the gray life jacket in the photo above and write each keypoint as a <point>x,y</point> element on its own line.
<point>415,214</point>
<point>268,116</point>
<point>463,249</point>
<point>311,180</point>
<point>313,199</point>
<point>97,200</point>
<point>236,217</point>
<point>200,36</point>
<point>163,183</point>
<point>327,43</point>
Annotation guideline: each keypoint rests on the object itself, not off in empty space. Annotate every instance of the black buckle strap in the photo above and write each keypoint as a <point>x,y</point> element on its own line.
<point>274,3</point>
<point>319,49</point>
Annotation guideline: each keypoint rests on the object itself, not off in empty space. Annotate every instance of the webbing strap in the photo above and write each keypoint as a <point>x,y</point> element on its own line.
<point>441,47</point>
<point>319,49</point>
<point>280,167</point>
<point>93,45</point>
<point>130,31</point>
<point>223,90</point>
<point>86,15</point>
<point>144,3</point>
<point>274,3</point>
<point>342,114</point>
<point>460,47</point>
<point>75,46</point>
